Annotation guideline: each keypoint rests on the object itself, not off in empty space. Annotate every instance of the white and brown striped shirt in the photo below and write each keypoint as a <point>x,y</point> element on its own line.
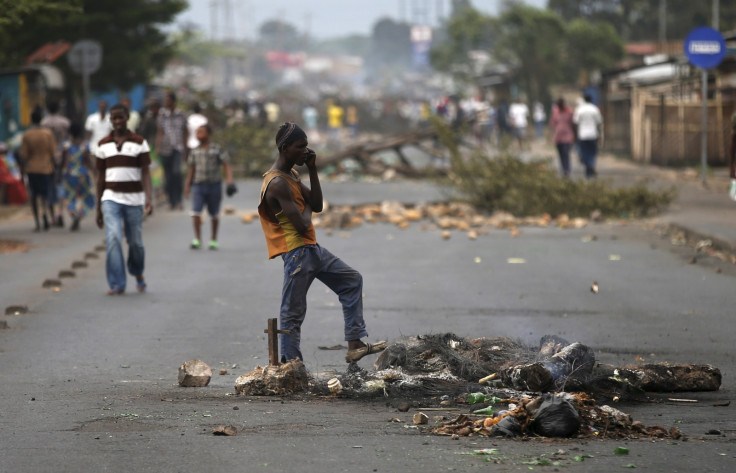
<point>123,168</point>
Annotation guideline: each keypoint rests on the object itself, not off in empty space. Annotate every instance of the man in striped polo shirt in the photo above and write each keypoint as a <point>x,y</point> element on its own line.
<point>123,199</point>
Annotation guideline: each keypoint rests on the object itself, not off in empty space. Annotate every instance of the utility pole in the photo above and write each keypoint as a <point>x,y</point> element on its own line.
<point>662,23</point>
<point>716,14</point>
<point>213,19</point>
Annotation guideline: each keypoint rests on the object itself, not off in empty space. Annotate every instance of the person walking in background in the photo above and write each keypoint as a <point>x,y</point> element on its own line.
<point>171,146</point>
<point>194,121</point>
<point>351,118</point>
<point>519,120</point>
<point>204,180</point>
<point>123,199</point>
<point>149,122</point>
<point>310,115</point>
<point>98,126</point>
<point>335,117</point>
<point>285,209</point>
<point>59,126</point>
<point>539,117</point>
<point>562,130</point>
<point>37,150</point>
<point>588,131</point>
<point>77,177</point>
<point>134,122</point>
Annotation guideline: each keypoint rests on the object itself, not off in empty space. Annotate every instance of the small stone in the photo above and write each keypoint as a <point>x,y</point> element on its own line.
<point>236,408</point>
<point>100,248</point>
<point>404,407</point>
<point>287,378</point>
<point>223,371</point>
<point>420,418</point>
<point>446,403</point>
<point>195,374</point>
<point>65,273</point>
<point>79,264</point>
<point>228,430</point>
<point>90,255</point>
<point>713,432</point>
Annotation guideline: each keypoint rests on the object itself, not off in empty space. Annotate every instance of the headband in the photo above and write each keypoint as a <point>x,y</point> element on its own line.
<point>292,133</point>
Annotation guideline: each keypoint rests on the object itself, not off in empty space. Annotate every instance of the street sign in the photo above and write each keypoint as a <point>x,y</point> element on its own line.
<point>705,47</point>
<point>85,56</point>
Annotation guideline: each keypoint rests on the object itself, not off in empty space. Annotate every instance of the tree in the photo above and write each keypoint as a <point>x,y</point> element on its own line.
<point>391,43</point>
<point>592,47</point>
<point>467,30</point>
<point>281,36</point>
<point>134,46</point>
<point>15,12</point>
<point>532,41</point>
<point>638,20</point>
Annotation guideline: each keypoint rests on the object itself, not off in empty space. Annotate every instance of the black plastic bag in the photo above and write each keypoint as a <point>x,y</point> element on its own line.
<point>555,417</point>
<point>507,427</point>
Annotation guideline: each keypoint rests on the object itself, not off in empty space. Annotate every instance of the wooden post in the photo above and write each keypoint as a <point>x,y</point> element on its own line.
<point>273,341</point>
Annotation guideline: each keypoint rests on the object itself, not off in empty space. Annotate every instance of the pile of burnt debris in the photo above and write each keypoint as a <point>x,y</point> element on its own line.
<point>510,389</point>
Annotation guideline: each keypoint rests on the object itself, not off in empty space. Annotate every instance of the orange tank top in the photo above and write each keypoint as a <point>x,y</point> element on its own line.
<point>281,236</point>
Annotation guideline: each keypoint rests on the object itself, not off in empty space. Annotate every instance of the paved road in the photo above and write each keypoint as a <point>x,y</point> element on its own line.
<point>89,381</point>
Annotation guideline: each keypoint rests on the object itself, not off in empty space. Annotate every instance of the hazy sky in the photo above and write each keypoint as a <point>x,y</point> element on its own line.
<point>322,18</point>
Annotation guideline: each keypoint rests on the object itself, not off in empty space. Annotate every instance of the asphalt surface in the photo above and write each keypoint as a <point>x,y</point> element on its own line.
<point>89,381</point>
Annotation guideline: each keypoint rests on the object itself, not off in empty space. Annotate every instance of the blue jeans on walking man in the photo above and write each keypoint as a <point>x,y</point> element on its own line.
<point>588,150</point>
<point>302,266</point>
<point>121,218</point>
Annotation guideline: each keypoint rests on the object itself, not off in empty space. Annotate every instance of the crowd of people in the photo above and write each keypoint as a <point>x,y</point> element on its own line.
<point>104,165</point>
<point>580,128</point>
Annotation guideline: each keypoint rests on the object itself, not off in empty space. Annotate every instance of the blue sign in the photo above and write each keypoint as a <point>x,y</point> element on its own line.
<point>705,47</point>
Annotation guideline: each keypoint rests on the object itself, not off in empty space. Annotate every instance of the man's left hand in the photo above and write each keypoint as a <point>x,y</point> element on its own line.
<point>147,209</point>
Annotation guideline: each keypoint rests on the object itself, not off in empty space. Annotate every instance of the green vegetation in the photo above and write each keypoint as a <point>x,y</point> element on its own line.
<point>251,148</point>
<point>506,183</point>
<point>133,42</point>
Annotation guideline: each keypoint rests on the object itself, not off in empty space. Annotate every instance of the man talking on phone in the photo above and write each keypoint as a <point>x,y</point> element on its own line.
<point>285,210</point>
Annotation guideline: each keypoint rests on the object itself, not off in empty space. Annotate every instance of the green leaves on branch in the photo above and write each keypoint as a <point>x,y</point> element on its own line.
<point>506,183</point>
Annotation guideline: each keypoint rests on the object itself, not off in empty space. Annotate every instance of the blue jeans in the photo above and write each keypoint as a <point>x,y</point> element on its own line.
<point>118,217</point>
<point>302,266</point>
<point>588,150</point>
<point>563,150</point>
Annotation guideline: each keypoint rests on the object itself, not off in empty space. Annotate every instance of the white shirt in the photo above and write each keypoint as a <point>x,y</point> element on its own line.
<point>588,118</point>
<point>519,114</point>
<point>194,121</point>
<point>98,127</point>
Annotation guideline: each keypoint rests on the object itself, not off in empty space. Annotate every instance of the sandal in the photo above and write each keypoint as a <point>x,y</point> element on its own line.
<point>141,285</point>
<point>354,355</point>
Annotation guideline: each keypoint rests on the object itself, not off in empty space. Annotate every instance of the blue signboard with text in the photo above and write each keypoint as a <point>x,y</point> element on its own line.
<point>705,47</point>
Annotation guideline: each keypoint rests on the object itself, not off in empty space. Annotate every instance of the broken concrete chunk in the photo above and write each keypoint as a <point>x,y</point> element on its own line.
<point>420,418</point>
<point>228,430</point>
<point>195,374</point>
<point>287,378</point>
